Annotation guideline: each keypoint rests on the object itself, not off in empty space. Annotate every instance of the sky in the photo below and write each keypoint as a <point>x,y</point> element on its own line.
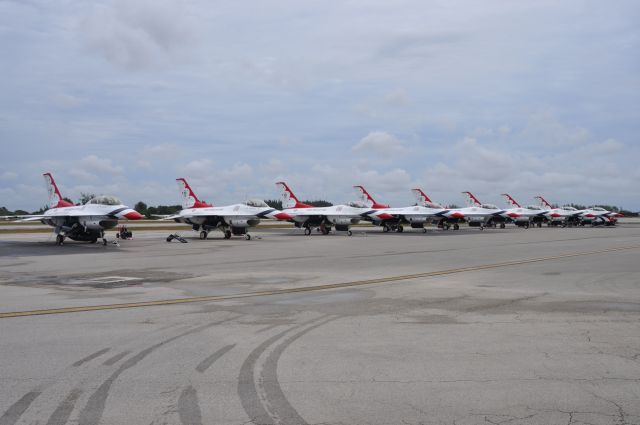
<point>121,97</point>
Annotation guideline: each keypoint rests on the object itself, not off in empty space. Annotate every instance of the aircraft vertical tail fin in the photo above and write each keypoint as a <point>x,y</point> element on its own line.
<point>543,202</point>
<point>189,198</point>
<point>368,199</point>
<point>55,198</point>
<point>421,197</point>
<point>511,201</point>
<point>288,198</point>
<point>472,199</point>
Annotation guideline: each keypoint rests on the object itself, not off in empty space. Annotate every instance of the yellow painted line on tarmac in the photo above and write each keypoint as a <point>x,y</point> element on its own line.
<point>389,279</point>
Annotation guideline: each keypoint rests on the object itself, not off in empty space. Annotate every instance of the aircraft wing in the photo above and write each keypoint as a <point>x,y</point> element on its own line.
<point>22,218</point>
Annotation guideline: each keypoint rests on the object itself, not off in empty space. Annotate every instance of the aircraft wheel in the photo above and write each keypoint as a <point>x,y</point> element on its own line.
<point>307,231</point>
<point>227,234</point>
<point>169,238</point>
<point>385,228</point>
<point>400,229</point>
<point>526,225</point>
<point>424,230</point>
<point>481,227</point>
<point>203,235</point>
<point>539,224</point>
<point>456,226</point>
<point>502,225</point>
<point>349,233</point>
<point>104,241</point>
<point>446,226</point>
<point>247,237</point>
<point>94,240</point>
<point>59,240</point>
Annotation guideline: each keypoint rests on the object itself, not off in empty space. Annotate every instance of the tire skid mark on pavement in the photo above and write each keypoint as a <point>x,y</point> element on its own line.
<point>91,357</point>
<point>206,363</point>
<point>61,415</point>
<point>275,397</point>
<point>93,410</point>
<point>13,413</point>
<point>388,279</point>
<point>253,398</point>
<point>189,408</point>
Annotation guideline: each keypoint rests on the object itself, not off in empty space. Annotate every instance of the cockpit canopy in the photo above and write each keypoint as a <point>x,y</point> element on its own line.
<point>489,206</point>
<point>533,207</point>
<point>568,208</point>
<point>432,205</point>
<point>105,200</point>
<point>356,204</point>
<point>598,209</point>
<point>256,203</point>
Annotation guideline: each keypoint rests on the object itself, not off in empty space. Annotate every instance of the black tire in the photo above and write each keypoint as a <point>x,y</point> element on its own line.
<point>424,230</point>
<point>456,226</point>
<point>227,234</point>
<point>104,242</point>
<point>307,231</point>
<point>247,237</point>
<point>59,240</point>
<point>203,235</point>
<point>94,240</point>
<point>169,238</point>
<point>481,227</point>
<point>526,225</point>
<point>400,229</point>
<point>349,233</point>
<point>446,226</point>
<point>385,228</point>
<point>502,225</point>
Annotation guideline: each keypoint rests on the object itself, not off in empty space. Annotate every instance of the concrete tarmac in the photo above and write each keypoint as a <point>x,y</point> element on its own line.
<point>513,326</point>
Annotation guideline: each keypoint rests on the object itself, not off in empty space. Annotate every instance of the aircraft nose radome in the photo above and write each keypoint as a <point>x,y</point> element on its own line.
<point>385,216</point>
<point>513,215</point>
<point>133,215</point>
<point>457,215</point>
<point>589,215</point>
<point>556,215</point>
<point>283,216</point>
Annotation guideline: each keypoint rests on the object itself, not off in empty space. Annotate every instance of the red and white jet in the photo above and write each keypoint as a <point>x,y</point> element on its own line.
<point>571,216</point>
<point>481,215</point>
<point>526,215</point>
<point>393,219</point>
<point>323,218</point>
<point>231,219</point>
<point>81,222</point>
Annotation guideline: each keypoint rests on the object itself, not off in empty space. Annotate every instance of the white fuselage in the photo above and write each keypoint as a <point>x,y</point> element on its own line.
<point>341,215</point>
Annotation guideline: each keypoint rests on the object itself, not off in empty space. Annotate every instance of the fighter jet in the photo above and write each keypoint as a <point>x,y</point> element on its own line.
<point>482,215</point>
<point>394,219</point>
<point>531,214</point>
<point>86,222</point>
<point>231,219</point>
<point>322,218</point>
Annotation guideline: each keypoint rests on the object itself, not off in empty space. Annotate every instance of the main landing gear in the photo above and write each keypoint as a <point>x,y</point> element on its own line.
<point>227,234</point>
<point>204,234</point>
<point>59,239</point>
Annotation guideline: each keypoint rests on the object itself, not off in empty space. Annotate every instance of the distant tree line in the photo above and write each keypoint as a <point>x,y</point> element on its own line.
<point>277,204</point>
<point>145,210</point>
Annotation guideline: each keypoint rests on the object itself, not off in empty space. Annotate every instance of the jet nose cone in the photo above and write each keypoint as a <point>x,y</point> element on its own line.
<point>513,215</point>
<point>283,216</point>
<point>385,216</point>
<point>133,215</point>
<point>456,215</point>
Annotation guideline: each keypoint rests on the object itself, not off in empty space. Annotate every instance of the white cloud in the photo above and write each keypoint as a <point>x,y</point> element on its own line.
<point>380,143</point>
<point>92,163</point>
<point>136,34</point>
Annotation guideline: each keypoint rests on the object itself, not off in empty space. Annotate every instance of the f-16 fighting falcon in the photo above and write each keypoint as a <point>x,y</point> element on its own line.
<point>323,218</point>
<point>231,219</point>
<point>393,219</point>
<point>81,222</point>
